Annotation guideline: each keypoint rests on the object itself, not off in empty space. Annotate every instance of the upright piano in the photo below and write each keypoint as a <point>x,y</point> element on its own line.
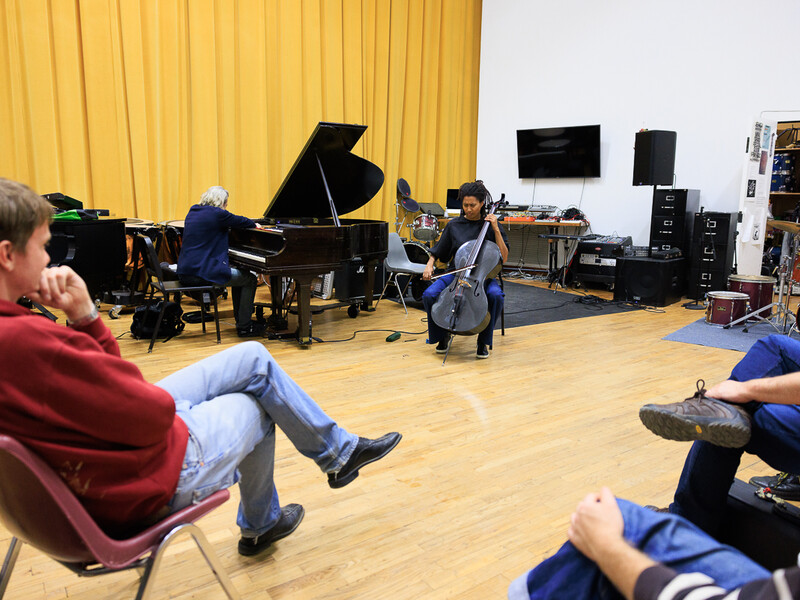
<point>94,248</point>
<point>303,236</point>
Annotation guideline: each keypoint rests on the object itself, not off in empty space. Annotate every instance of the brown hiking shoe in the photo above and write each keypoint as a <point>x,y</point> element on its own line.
<point>699,418</point>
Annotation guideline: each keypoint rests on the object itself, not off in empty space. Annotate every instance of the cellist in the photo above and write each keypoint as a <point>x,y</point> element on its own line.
<point>473,197</point>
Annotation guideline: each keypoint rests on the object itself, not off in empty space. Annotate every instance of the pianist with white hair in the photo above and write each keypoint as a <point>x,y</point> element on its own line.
<point>204,255</point>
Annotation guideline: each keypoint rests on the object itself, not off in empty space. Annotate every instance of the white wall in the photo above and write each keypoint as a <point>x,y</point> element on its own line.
<point>702,68</point>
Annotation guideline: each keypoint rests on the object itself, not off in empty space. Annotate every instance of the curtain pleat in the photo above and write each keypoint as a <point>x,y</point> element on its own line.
<point>139,106</point>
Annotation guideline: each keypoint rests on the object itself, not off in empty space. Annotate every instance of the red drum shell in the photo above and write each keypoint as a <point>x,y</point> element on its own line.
<point>426,228</point>
<point>760,288</point>
<point>723,308</point>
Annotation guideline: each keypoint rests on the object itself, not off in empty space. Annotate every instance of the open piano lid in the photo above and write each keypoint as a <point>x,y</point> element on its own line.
<point>352,180</point>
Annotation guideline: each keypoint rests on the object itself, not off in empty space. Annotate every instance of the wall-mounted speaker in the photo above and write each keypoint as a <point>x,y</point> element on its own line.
<point>650,281</point>
<point>654,157</point>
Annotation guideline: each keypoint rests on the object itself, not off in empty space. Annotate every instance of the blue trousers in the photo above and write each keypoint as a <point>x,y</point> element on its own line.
<point>231,403</point>
<point>709,470</point>
<point>664,537</point>
<point>494,297</point>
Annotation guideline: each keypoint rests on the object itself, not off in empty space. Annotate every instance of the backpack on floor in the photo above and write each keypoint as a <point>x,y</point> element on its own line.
<point>146,316</point>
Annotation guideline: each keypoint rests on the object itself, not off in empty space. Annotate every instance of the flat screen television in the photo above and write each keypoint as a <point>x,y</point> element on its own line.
<point>557,152</point>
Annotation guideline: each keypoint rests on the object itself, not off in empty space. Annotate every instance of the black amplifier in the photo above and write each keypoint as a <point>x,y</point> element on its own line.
<point>605,246</point>
<point>596,260</point>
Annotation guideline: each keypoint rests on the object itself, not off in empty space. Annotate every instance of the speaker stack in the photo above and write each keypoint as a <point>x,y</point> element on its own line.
<point>658,281</point>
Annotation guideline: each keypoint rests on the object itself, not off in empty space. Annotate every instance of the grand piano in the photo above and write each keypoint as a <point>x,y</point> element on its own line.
<point>303,236</point>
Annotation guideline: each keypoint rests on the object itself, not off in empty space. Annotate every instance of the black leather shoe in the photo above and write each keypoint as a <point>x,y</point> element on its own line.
<point>291,515</point>
<point>367,451</point>
<point>782,485</point>
<point>699,418</point>
<point>444,345</point>
<point>254,329</point>
<point>482,352</point>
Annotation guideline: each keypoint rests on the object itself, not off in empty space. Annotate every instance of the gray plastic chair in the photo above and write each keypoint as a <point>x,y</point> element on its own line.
<point>397,263</point>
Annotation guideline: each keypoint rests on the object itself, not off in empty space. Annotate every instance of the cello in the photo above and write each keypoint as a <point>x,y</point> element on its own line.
<point>462,307</point>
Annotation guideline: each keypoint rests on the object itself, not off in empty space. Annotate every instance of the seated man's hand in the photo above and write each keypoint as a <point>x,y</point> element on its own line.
<point>62,288</point>
<point>596,523</point>
<point>731,391</point>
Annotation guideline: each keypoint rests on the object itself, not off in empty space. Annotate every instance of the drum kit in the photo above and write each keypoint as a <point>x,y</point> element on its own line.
<point>749,298</point>
<point>424,228</point>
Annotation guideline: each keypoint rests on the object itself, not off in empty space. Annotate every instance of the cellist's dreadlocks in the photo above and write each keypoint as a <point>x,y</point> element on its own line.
<point>479,191</point>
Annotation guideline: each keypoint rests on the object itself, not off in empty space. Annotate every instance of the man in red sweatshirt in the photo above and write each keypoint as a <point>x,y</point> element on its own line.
<point>133,451</point>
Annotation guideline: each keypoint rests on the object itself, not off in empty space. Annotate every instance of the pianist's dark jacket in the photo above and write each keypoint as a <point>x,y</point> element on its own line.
<point>204,252</point>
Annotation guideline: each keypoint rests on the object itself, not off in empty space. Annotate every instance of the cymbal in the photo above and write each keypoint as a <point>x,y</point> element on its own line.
<point>409,204</point>
<point>403,189</point>
<point>784,225</point>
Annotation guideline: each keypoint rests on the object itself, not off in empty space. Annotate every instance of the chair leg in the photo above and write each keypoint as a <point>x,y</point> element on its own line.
<point>8,564</point>
<point>158,324</point>
<point>203,313</point>
<point>388,281</point>
<point>502,310</point>
<point>401,293</point>
<point>216,314</point>
<point>206,550</point>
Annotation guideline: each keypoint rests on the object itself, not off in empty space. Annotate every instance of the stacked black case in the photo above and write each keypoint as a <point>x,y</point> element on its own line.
<point>672,220</point>
<point>712,250</point>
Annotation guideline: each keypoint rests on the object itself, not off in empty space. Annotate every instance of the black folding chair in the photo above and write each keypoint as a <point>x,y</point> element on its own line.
<point>157,283</point>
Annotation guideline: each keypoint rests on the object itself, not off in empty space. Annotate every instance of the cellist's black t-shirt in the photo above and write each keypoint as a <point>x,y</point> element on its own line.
<point>457,232</point>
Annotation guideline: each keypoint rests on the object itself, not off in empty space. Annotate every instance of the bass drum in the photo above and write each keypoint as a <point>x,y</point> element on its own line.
<point>759,288</point>
<point>416,253</point>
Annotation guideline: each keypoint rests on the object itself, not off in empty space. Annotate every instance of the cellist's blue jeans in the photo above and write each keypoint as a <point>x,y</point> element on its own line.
<point>709,470</point>
<point>494,297</point>
<point>665,538</point>
<point>231,403</point>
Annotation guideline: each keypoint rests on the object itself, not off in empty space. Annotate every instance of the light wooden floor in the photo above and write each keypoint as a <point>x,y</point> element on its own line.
<point>495,455</point>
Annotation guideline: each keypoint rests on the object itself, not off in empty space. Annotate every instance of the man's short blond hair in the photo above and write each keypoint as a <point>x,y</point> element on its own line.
<point>216,195</point>
<point>21,211</point>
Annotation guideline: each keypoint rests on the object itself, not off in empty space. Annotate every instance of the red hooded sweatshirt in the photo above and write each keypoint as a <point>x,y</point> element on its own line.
<point>67,395</point>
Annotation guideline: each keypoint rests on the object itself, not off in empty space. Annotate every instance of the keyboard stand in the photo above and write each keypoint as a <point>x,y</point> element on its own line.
<point>557,275</point>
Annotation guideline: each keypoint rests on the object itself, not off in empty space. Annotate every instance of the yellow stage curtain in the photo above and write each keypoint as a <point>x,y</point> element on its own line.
<point>140,105</point>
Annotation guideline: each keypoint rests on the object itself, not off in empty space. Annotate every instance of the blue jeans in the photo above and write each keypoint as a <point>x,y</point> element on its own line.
<point>243,286</point>
<point>709,470</point>
<point>666,538</point>
<point>494,297</point>
<point>231,403</point>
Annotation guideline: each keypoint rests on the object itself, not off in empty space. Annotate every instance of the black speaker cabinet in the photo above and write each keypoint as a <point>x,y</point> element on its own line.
<point>349,280</point>
<point>654,157</point>
<point>650,281</point>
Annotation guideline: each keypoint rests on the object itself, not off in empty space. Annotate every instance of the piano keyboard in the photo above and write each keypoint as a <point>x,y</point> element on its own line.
<point>247,256</point>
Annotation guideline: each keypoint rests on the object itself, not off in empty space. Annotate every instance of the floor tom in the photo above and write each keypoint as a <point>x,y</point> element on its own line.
<point>723,308</point>
<point>760,289</point>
